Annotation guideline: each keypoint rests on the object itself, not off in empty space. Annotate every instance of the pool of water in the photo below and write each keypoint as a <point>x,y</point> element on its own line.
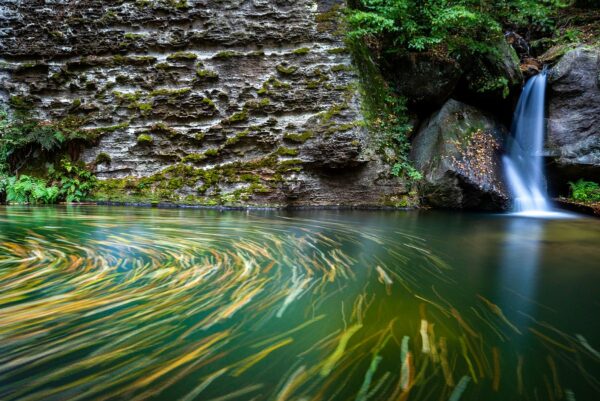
<point>101,303</point>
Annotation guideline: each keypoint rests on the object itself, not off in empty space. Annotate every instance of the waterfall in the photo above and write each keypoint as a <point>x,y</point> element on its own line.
<point>523,163</point>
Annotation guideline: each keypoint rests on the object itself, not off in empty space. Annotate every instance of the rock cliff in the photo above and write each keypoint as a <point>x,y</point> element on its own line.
<point>199,101</point>
<point>574,109</point>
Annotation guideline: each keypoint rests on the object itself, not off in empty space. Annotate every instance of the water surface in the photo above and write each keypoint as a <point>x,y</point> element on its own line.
<point>104,303</point>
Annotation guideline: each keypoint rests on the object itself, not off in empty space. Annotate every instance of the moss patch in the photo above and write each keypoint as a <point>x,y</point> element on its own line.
<point>103,158</point>
<point>227,54</point>
<point>238,117</point>
<point>256,177</point>
<point>182,56</point>
<point>208,75</point>
<point>286,70</point>
<point>170,92</point>
<point>144,139</point>
<point>299,138</point>
<point>283,151</point>
<point>301,51</point>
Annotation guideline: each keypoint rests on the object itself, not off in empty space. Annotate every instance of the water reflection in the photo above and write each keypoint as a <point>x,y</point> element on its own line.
<point>518,271</point>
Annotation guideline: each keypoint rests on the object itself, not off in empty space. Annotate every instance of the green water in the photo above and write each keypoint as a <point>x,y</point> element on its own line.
<point>137,304</point>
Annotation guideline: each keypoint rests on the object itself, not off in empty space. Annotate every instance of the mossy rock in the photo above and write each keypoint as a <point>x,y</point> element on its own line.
<point>299,138</point>
<point>182,56</point>
<point>103,158</point>
<point>286,70</point>
<point>145,139</point>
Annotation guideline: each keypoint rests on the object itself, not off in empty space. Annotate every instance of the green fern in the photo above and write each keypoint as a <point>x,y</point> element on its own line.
<point>585,191</point>
<point>461,26</point>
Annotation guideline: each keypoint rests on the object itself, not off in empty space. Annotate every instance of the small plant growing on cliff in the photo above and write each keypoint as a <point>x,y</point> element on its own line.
<point>74,180</point>
<point>301,51</point>
<point>170,92</point>
<point>209,75</point>
<point>298,138</point>
<point>194,158</point>
<point>240,116</point>
<point>133,36</point>
<point>145,139</point>
<point>20,138</point>
<point>26,189</point>
<point>285,70</point>
<point>182,56</point>
<point>103,158</point>
<point>225,54</point>
<point>211,152</point>
<point>585,191</point>
<point>283,151</point>
<point>209,102</point>
<point>397,128</point>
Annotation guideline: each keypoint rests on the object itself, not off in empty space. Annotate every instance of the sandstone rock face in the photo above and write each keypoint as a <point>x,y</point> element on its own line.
<point>458,150</point>
<point>251,101</point>
<point>574,110</point>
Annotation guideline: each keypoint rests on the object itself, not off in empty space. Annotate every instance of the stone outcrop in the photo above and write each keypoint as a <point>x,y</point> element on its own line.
<point>574,111</point>
<point>201,101</point>
<point>492,78</point>
<point>458,151</point>
<point>425,79</point>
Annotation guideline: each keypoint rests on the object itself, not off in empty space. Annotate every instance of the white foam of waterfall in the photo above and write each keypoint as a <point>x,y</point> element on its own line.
<point>523,163</point>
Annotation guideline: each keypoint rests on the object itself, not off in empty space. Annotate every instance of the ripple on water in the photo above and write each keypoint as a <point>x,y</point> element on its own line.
<point>143,305</point>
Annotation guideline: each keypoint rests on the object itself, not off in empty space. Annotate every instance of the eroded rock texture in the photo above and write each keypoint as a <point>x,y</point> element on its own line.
<point>458,150</point>
<point>200,100</point>
<point>574,110</point>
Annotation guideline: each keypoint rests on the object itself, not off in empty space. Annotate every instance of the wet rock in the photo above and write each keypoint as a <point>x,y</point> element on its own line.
<point>458,151</point>
<point>574,111</point>
<point>530,67</point>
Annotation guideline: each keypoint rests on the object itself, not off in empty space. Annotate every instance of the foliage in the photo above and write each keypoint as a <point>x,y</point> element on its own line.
<point>22,136</point>
<point>386,114</point>
<point>25,135</point>
<point>74,180</point>
<point>396,126</point>
<point>144,139</point>
<point>467,30</point>
<point>69,182</point>
<point>103,158</point>
<point>461,26</point>
<point>26,189</point>
<point>585,191</point>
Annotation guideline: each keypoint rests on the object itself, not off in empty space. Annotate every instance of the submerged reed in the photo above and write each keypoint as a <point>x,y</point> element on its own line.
<point>151,305</point>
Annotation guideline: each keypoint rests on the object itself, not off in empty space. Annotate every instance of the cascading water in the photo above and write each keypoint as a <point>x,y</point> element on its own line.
<point>523,163</point>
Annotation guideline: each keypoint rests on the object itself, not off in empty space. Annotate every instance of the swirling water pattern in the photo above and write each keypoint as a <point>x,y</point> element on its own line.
<point>136,304</point>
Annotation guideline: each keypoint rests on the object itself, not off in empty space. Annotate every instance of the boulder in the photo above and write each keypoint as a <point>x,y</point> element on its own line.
<point>427,80</point>
<point>574,110</point>
<point>491,78</point>
<point>458,151</point>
